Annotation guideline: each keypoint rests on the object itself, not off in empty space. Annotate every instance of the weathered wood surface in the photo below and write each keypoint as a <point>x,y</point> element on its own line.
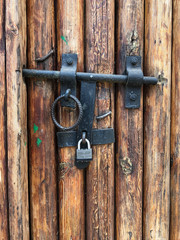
<point>47,190</point>
<point>70,39</point>
<point>129,126</point>
<point>3,154</point>
<point>158,21</point>
<point>175,127</point>
<point>42,160</point>
<point>100,173</point>
<point>16,120</point>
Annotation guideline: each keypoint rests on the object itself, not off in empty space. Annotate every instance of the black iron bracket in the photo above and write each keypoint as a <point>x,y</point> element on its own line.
<point>68,78</point>
<point>68,137</point>
<point>134,82</point>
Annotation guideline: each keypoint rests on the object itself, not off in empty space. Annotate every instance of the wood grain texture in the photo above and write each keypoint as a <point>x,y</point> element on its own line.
<point>17,120</point>
<point>3,156</point>
<point>175,127</point>
<point>129,126</point>
<point>70,39</point>
<point>100,173</point>
<point>158,21</point>
<point>42,160</point>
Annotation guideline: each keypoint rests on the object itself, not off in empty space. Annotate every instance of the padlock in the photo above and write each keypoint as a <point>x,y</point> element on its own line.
<point>84,155</point>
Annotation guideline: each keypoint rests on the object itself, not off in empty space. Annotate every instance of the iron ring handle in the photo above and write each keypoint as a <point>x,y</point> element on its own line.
<point>79,117</point>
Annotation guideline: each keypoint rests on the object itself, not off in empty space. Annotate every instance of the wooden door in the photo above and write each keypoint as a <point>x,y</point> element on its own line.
<point>131,189</point>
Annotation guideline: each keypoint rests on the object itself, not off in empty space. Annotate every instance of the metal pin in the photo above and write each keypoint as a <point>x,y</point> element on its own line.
<point>67,93</point>
<point>83,137</point>
<point>42,59</point>
<point>104,115</point>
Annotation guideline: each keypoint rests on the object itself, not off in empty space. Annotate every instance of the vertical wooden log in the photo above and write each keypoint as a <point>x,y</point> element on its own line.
<point>129,126</point>
<point>175,127</point>
<point>3,159</point>
<point>71,180</point>
<point>17,119</point>
<point>100,173</point>
<point>157,120</point>
<point>42,161</point>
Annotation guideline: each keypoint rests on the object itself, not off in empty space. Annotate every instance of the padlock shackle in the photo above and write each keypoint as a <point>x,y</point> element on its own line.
<point>88,143</point>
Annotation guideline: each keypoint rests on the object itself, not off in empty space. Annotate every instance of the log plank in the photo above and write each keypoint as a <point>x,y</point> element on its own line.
<point>175,127</point>
<point>70,39</point>
<point>3,154</point>
<point>100,173</point>
<point>17,143</point>
<point>42,156</point>
<point>157,62</point>
<point>129,126</point>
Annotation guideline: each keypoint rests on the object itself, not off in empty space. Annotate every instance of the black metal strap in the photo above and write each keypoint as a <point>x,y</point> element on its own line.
<point>87,99</point>
<point>99,136</point>
<point>68,78</point>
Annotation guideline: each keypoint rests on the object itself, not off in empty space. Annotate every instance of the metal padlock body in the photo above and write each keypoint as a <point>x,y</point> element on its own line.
<point>84,155</point>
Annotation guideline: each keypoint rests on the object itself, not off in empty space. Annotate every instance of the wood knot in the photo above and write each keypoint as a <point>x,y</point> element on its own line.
<point>126,165</point>
<point>133,44</point>
<point>64,168</point>
<point>12,29</point>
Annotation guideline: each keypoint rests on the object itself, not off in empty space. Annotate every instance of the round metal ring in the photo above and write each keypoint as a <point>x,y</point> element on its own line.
<point>79,117</point>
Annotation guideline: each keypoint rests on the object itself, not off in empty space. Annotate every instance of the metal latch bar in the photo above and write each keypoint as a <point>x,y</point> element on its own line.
<point>133,79</point>
<point>81,76</point>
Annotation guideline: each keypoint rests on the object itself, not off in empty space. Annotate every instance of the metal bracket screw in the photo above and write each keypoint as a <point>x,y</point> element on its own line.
<point>134,60</point>
<point>69,61</point>
<point>132,96</point>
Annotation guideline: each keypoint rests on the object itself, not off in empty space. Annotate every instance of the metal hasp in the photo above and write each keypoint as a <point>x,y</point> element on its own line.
<point>82,131</point>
